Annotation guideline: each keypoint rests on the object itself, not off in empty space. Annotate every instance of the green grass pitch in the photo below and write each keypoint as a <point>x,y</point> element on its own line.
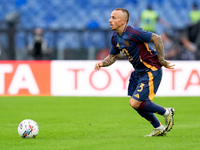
<point>96,123</point>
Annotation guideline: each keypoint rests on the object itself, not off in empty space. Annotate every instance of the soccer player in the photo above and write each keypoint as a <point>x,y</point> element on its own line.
<point>145,79</point>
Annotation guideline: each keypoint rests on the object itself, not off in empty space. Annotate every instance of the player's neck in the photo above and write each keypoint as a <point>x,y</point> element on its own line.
<point>121,29</point>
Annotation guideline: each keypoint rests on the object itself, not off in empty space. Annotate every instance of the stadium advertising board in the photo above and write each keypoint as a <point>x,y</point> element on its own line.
<point>24,78</point>
<point>78,78</point>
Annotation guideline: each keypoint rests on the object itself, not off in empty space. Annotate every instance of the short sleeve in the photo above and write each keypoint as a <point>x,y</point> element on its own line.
<point>140,35</point>
<point>114,50</point>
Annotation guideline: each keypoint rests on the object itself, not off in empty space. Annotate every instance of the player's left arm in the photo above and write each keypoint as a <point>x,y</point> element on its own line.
<point>109,60</point>
<point>157,40</point>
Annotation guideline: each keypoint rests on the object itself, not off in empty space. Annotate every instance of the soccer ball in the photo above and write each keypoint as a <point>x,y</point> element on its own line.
<point>28,129</point>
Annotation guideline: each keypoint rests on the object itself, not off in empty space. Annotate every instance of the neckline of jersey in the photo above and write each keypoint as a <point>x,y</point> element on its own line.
<point>123,30</point>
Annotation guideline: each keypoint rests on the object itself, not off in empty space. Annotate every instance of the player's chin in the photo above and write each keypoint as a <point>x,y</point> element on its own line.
<point>112,28</point>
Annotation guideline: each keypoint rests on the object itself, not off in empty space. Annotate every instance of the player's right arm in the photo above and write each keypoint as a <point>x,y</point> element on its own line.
<point>109,60</point>
<point>157,40</point>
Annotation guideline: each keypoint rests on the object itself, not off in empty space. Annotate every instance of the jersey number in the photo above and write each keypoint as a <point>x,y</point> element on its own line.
<point>125,52</point>
<point>141,87</point>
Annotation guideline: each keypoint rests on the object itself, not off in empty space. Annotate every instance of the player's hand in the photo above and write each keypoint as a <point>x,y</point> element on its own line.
<point>168,65</point>
<point>98,66</point>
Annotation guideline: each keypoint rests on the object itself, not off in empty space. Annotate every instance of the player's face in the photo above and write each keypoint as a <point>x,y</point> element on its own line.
<point>116,20</point>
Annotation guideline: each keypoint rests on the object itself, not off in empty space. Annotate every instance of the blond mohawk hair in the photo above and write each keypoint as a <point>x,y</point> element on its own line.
<point>124,11</point>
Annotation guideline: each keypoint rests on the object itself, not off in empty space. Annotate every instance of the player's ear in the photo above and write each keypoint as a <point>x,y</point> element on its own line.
<point>124,21</point>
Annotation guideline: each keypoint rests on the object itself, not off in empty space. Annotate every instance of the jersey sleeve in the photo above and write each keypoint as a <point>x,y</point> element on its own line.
<point>114,50</point>
<point>139,35</point>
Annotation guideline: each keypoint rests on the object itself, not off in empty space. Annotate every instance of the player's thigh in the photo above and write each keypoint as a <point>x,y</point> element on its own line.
<point>134,103</point>
<point>133,82</point>
<point>148,86</point>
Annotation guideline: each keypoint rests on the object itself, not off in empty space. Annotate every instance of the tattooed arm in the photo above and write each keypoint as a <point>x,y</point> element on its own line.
<point>109,60</point>
<point>157,40</point>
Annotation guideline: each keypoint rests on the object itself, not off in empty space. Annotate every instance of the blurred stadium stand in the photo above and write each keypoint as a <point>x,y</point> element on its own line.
<point>71,27</point>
